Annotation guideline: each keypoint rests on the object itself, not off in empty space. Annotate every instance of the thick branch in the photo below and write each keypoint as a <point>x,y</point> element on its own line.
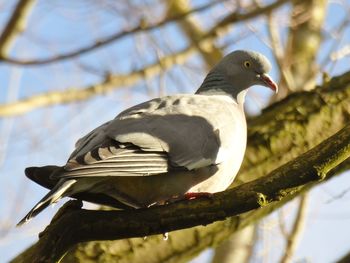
<point>294,125</point>
<point>194,32</point>
<point>227,21</point>
<point>15,25</point>
<point>304,39</point>
<point>81,225</point>
<point>344,259</point>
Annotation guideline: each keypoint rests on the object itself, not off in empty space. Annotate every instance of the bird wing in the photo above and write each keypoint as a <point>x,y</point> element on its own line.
<point>174,132</point>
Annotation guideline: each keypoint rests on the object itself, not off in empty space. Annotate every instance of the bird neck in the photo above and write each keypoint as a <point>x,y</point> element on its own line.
<point>216,84</point>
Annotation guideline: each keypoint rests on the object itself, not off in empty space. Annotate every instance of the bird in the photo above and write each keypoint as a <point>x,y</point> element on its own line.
<point>172,147</point>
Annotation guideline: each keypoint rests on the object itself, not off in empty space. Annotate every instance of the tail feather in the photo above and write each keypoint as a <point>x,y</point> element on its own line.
<point>43,175</point>
<point>52,197</point>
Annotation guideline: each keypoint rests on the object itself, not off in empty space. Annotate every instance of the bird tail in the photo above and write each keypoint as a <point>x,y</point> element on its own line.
<point>53,196</point>
<point>43,175</point>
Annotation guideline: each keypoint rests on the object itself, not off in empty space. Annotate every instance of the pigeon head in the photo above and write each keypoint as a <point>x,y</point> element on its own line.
<point>236,72</point>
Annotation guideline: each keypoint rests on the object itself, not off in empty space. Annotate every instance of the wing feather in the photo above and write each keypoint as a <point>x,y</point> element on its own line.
<point>122,160</point>
<point>177,132</point>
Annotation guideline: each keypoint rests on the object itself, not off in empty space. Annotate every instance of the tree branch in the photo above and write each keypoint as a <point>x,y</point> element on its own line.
<point>279,51</point>
<point>142,27</point>
<point>293,125</point>
<point>111,82</point>
<point>194,32</point>
<point>78,225</point>
<point>15,25</point>
<point>239,248</point>
<point>229,20</point>
<point>344,259</point>
<point>297,230</point>
<point>299,61</point>
<point>241,17</point>
<point>75,94</point>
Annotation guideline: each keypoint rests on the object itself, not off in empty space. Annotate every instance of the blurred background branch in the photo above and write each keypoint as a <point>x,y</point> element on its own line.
<point>15,25</point>
<point>293,238</point>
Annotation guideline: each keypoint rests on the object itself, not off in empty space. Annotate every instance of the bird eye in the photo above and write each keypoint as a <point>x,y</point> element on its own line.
<point>247,64</point>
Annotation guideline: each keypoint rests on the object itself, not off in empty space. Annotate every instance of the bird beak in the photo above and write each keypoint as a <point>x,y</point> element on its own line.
<point>267,80</point>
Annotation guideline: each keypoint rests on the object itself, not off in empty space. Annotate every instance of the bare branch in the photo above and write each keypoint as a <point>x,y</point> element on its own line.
<point>15,25</point>
<point>240,17</point>
<point>334,55</point>
<point>343,52</point>
<point>76,225</point>
<point>344,259</point>
<point>227,21</point>
<point>278,51</point>
<point>142,27</point>
<point>111,82</point>
<point>194,32</point>
<point>73,94</point>
<point>238,248</point>
<point>297,230</point>
<point>304,39</point>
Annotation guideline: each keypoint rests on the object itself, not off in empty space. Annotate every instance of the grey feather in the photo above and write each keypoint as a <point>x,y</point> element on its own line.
<point>52,197</point>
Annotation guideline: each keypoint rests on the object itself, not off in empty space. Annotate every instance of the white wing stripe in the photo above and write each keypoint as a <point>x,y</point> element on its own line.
<point>121,165</point>
<point>112,172</point>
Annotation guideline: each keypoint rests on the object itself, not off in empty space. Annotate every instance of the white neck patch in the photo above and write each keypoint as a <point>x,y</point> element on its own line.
<point>241,96</point>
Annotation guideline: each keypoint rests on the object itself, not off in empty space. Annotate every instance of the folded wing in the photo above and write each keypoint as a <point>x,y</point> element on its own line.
<point>151,138</point>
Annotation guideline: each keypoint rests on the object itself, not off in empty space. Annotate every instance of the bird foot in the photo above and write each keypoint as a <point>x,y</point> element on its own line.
<point>192,196</point>
<point>189,196</point>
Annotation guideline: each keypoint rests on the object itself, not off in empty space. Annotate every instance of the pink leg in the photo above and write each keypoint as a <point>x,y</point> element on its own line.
<point>191,196</point>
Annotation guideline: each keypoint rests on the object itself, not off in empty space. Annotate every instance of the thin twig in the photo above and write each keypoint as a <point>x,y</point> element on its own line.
<point>297,230</point>
<point>111,82</point>
<point>221,25</point>
<point>142,27</point>
<point>277,49</point>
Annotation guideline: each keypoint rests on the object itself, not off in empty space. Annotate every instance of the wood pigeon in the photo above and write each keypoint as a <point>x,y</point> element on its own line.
<point>170,147</point>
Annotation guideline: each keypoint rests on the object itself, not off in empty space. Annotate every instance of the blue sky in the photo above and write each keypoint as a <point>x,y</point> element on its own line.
<point>47,135</point>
